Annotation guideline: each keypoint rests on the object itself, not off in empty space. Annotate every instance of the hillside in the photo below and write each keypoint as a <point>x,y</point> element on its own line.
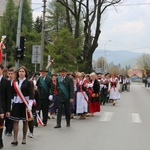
<point>122,57</point>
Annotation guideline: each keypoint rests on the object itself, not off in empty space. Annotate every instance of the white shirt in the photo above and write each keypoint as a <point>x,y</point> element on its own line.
<point>1,77</point>
<point>17,99</point>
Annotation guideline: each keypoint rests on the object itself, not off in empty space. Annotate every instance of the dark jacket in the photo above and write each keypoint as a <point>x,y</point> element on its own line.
<point>49,84</point>
<point>68,83</point>
<point>5,95</point>
<point>96,87</point>
<point>26,89</point>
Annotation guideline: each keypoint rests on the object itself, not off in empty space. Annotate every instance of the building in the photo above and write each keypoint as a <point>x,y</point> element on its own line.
<point>3,7</point>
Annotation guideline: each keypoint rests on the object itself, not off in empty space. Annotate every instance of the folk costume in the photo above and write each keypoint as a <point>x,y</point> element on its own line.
<point>114,89</point>
<point>103,90</point>
<point>45,88</point>
<point>65,93</point>
<point>94,102</point>
<point>5,102</point>
<point>81,97</point>
<point>54,102</point>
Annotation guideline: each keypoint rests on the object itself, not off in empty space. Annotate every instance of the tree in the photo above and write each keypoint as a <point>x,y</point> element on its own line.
<point>56,17</point>
<point>37,24</point>
<point>9,28</point>
<point>26,15</point>
<point>63,51</point>
<point>144,62</point>
<point>92,12</point>
<point>57,21</point>
<point>102,63</point>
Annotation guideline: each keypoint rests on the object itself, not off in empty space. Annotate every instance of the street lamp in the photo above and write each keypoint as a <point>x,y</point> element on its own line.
<point>105,62</point>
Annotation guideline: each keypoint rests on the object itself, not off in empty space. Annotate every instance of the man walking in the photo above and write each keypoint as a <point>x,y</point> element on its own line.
<point>5,101</point>
<point>45,88</point>
<point>65,96</point>
<point>9,122</point>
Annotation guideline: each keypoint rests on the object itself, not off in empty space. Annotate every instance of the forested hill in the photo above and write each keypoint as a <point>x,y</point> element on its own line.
<point>122,57</point>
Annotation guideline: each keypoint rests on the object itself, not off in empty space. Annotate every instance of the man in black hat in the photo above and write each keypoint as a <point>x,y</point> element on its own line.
<point>65,96</point>
<point>45,88</point>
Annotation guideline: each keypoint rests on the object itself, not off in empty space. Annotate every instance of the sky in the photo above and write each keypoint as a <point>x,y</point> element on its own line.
<point>125,27</point>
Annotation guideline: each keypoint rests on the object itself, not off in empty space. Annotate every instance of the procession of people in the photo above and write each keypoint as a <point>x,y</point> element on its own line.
<point>35,100</point>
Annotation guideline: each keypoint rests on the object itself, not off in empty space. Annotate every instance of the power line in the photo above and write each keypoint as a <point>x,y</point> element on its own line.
<point>132,4</point>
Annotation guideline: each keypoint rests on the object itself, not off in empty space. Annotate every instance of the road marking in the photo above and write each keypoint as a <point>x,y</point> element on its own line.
<point>136,118</point>
<point>106,116</point>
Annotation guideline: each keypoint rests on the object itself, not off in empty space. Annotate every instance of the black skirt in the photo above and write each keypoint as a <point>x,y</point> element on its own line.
<point>18,112</point>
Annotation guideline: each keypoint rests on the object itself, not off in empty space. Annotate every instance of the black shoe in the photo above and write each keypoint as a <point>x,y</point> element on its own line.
<point>57,126</point>
<point>5,132</point>
<point>23,143</point>
<point>68,125</point>
<point>14,143</point>
<point>1,144</point>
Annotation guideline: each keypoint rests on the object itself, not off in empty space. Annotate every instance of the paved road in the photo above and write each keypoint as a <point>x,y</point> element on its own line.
<point>125,126</point>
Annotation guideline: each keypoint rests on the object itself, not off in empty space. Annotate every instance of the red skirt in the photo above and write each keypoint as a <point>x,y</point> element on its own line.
<point>94,103</point>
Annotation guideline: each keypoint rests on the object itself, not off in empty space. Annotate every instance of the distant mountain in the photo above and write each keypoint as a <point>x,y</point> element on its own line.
<point>122,57</point>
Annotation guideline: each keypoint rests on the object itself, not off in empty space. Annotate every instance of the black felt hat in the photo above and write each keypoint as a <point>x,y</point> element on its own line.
<point>63,70</point>
<point>43,70</point>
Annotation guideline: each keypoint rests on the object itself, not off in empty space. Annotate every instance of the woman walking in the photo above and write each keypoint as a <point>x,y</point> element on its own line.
<point>22,103</point>
<point>114,89</point>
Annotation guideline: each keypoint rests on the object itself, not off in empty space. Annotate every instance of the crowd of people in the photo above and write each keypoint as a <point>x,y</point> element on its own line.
<point>47,96</point>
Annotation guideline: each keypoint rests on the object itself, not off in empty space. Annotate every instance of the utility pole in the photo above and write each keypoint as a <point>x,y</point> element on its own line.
<point>43,34</point>
<point>19,31</point>
<point>105,56</point>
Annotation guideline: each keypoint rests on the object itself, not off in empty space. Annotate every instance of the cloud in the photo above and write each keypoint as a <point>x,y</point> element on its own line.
<point>127,28</point>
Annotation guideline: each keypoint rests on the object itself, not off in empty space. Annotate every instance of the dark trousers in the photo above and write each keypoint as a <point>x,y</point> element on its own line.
<point>1,132</point>
<point>8,125</point>
<point>33,122</point>
<point>43,106</point>
<point>31,125</point>
<point>66,106</point>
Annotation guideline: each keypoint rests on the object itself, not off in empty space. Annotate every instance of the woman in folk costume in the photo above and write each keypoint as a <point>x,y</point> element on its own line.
<point>81,96</point>
<point>53,103</point>
<point>103,89</point>
<point>22,95</point>
<point>114,89</point>
<point>94,103</point>
<point>89,91</point>
<point>73,104</point>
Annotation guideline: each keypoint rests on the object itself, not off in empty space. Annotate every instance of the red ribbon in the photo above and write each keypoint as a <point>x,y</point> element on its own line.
<point>84,96</point>
<point>39,121</point>
<point>28,112</point>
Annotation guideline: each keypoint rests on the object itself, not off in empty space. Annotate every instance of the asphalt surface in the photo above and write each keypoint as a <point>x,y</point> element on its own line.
<point>125,126</point>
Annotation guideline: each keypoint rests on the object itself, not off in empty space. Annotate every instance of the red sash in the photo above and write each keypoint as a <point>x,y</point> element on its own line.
<point>39,120</point>
<point>84,96</point>
<point>18,91</point>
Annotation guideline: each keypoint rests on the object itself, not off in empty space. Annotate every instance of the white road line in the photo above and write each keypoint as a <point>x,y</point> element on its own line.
<point>106,116</point>
<point>136,118</point>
